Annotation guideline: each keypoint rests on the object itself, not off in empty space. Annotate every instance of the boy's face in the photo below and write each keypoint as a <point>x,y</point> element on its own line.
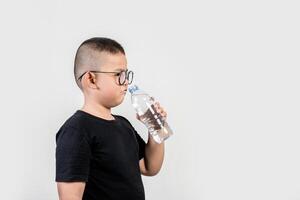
<point>109,92</point>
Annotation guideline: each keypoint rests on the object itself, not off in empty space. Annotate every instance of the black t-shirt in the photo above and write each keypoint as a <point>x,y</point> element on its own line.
<point>103,153</point>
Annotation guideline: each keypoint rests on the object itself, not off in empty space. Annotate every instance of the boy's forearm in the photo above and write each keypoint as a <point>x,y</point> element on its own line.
<point>154,155</point>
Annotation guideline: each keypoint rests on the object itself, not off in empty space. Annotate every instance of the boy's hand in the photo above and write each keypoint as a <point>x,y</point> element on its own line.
<point>159,109</point>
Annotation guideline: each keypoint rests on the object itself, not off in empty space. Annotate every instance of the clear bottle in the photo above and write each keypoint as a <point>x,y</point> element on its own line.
<point>144,107</point>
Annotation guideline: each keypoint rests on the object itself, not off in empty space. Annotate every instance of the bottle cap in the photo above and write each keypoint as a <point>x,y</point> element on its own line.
<point>133,88</point>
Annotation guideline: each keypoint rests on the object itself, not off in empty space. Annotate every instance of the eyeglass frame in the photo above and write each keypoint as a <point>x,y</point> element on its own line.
<point>127,72</point>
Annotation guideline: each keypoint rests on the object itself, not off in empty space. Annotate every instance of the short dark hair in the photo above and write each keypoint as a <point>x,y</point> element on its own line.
<point>87,50</point>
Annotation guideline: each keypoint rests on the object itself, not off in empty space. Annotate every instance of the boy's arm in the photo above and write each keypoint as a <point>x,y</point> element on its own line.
<point>151,164</point>
<point>70,190</point>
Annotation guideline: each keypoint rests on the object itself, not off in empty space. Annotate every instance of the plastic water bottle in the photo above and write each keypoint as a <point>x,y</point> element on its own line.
<point>144,106</point>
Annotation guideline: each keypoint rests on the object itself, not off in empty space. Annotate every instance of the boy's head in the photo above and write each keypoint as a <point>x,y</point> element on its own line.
<point>100,71</point>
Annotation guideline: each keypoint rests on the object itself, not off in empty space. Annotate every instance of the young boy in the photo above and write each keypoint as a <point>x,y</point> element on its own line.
<point>99,155</point>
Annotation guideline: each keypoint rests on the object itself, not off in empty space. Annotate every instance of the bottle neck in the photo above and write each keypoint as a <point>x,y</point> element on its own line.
<point>139,92</point>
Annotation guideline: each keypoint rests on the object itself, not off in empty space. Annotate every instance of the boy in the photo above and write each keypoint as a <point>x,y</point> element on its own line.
<point>99,155</point>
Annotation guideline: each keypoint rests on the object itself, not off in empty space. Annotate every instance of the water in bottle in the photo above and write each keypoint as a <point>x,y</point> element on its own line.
<point>144,106</point>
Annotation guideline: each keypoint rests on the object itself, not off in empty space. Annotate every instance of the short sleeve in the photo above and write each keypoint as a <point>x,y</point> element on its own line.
<point>72,155</point>
<point>141,144</point>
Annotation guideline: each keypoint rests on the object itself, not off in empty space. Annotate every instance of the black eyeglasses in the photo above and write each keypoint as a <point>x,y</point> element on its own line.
<point>123,75</point>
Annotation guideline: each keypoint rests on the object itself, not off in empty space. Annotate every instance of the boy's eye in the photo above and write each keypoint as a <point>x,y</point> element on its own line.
<point>118,74</point>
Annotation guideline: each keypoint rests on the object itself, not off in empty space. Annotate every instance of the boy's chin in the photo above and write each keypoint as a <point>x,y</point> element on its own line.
<point>116,103</point>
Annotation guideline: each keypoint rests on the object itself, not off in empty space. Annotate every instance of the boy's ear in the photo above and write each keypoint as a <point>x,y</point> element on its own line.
<point>91,80</point>
<point>91,77</point>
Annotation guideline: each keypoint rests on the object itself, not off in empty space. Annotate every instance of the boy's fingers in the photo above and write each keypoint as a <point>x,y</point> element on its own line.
<point>160,109</point>
<point>162,112</point>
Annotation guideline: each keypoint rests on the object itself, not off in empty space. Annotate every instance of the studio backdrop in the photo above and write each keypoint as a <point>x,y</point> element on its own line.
<point>227,73</point>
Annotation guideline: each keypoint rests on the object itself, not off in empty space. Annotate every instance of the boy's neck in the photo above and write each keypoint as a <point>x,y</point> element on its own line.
<point>97,110</point>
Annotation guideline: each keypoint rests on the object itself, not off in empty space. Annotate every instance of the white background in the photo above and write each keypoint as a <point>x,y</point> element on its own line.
<point>227,72</point>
